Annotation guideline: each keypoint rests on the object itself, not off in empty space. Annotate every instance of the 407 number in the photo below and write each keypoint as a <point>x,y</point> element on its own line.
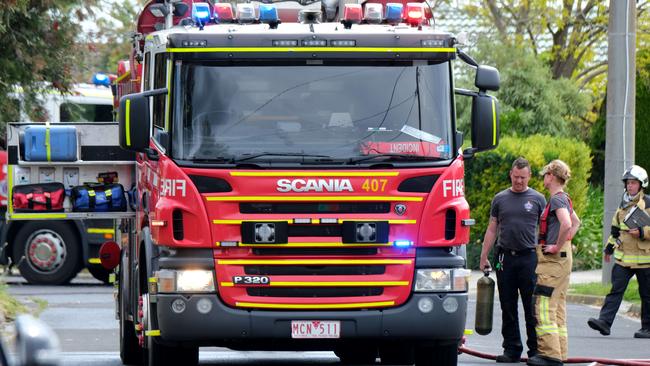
<point>374,185</point>
<point>251,280</point>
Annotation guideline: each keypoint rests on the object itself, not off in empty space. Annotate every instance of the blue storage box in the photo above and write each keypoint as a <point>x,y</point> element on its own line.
<point>53,143</point>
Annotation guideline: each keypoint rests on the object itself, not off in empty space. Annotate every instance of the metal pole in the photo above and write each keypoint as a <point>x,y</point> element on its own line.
<point>621,92</point>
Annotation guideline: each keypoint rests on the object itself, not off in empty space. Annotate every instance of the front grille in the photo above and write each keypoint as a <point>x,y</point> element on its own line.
<point>313,207</point>
<point>315,270</point>
<point>315,251</point>
<point>314,291</point>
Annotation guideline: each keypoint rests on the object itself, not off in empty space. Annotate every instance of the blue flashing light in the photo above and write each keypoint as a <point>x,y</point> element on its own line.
<point>402,243</point>
<point>268,13</point>
<point>201,12</point>
<point>101,79</point>
<point>394,12</point>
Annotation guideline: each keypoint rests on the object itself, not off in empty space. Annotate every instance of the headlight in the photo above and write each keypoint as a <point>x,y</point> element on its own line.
<point>194,280</point>
<point>441,280</point>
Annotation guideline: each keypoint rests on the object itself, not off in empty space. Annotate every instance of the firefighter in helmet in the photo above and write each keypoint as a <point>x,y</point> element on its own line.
<point>558,224</point>
<point>629,242</point>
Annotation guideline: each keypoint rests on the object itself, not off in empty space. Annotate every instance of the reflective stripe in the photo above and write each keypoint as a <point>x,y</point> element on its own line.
<point>315,245</point>
<point>38,216</point>
<point>315,306</point>
<point>563,332</point>
<point>631,258</point>
<point>546,330</point>
<point>95,230</point>
<point>314,174</point>
<point>494,122</point>
<point>127,121</point>
<point>94,261</point>
<point>152,333</point>
<point>315,49</point>
<point>314,198</point>
<point>10,186</point>
<point>48,147</point>
<point>312,261</point>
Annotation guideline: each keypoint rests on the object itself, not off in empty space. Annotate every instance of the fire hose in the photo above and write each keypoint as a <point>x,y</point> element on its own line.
<point>603,361</point>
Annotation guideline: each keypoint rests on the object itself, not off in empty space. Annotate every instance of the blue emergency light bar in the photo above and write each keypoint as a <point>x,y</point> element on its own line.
<point>269,15</point>
<point>394,13</point>
<point>201,12</point>
<point>101,79</point>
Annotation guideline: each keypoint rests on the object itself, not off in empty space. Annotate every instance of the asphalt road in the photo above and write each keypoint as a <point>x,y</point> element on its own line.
<point>82,314</point>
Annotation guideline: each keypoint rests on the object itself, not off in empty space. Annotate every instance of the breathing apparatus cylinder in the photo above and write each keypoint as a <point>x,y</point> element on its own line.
<point>484,304</point>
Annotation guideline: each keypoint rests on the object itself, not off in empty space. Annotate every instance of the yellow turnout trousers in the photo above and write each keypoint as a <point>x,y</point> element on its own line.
<point>553,271</point>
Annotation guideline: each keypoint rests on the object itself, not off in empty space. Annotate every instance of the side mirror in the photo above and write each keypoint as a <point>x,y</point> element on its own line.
<point>487,78</point>
<point>36,343</point>
<point>134,122</point>
<point>485,122</point>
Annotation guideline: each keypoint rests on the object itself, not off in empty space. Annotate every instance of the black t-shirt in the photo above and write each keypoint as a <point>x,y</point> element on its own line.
<point>517,214</point>
<point>556,202</point>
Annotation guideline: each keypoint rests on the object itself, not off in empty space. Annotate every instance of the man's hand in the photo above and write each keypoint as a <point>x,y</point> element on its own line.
<point>485,264</point>
<point>634,232</point>
<point>551,249</point>
<point>608,257</point>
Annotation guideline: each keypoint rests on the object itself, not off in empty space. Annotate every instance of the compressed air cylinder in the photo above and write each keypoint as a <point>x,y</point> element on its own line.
<point>484,304</point>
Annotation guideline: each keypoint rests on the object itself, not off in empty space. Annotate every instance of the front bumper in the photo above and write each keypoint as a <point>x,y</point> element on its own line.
<point>223,325</point>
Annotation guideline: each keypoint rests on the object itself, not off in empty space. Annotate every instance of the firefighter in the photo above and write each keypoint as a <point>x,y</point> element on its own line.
<point>558,224</point>
<point>631,249</point>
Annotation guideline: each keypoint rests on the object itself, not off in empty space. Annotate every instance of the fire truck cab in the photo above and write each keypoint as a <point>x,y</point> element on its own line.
<point>300,185</point>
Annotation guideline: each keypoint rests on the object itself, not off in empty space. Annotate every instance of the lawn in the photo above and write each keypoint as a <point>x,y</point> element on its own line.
<point>598,289</point>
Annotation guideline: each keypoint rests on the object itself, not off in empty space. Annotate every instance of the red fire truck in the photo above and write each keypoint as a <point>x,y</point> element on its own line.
<point>300,184</point>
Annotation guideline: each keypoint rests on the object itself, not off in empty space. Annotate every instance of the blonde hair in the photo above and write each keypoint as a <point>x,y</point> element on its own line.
<point>558,169</point>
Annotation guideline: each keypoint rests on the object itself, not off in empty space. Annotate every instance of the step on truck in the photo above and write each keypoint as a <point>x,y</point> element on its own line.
<point>300,183</point>
<point>27,239</point>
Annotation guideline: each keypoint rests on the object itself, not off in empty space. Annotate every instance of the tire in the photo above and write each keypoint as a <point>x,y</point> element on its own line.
<point>396,354</point>
<point>130,351</point>
<point>357,354</point>
<point>162,355</point>
<point>439,355</point>
<point>100,273</point>
<point>47,252</point>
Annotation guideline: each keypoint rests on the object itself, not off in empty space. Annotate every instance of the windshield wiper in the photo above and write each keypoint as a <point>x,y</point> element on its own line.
<point>389,157</point>
<point>254,156</point>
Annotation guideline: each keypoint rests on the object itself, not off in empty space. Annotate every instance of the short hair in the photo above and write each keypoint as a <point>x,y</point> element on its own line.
<point>520,163</point>
<point>558,169</point>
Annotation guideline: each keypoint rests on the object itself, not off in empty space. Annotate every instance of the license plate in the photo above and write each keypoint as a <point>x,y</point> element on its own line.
<point>315,329</point>
<point>251,280</point>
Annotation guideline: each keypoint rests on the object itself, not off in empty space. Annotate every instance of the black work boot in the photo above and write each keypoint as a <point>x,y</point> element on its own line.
<point>641,333</point>
<point>538,360</point>
<point>506,358</point>
<point>599,325</point>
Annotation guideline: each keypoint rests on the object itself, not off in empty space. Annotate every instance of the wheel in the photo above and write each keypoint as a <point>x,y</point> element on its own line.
<point>130,350</point>
<point>47,252</point>
<point>162,355</point>
<point>100,273</point>
<point>356,354</point>
<point>439,355</point>
<point>396,354</point>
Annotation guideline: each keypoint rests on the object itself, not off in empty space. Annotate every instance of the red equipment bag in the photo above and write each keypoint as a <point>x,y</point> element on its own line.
<point>38,197</point>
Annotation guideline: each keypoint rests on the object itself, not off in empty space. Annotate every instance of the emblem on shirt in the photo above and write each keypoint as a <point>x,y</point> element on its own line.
<point>528,206</point>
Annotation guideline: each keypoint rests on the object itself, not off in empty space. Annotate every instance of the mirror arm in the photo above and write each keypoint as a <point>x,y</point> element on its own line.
<point>152,154</point>
<point>465,92</point>
<point>466,58</point>
<point>469,153</point>
<point>154,92</point>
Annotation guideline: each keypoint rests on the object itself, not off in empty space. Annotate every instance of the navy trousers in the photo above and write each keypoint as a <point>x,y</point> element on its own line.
<point>620,279</point>
<point>516,277</point>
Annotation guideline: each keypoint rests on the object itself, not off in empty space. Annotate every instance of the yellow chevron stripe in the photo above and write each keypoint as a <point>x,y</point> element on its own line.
<point>314,198</point>
<point>314,174</point>
<point>312,261</point>
<point>328,284</point>
<point>316,306</point>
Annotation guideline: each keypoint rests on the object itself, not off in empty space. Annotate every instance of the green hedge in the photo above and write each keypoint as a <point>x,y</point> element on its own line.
<point>487,174</point>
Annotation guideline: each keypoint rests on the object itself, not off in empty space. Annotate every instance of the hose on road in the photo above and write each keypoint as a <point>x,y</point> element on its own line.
<point>603,361</point>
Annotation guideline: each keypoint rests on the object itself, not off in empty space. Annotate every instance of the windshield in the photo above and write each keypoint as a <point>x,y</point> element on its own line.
<point>302,113</point>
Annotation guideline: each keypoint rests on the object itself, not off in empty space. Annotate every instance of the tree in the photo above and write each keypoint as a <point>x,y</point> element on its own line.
<point>532,102</point>
<point>38,50</point>
<point>565,33</point>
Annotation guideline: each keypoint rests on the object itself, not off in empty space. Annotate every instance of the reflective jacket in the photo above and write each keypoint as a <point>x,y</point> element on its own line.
<point>630,251</point>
